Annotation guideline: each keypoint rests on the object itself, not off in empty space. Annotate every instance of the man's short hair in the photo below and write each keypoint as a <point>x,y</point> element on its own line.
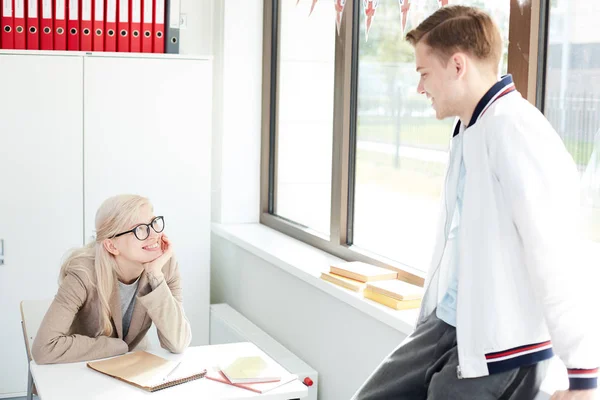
<point>458,28</point>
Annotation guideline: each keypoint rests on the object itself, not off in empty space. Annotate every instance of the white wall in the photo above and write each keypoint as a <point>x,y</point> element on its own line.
<point>237,47</point>
<point>342,343</point>
<point>196,38</point>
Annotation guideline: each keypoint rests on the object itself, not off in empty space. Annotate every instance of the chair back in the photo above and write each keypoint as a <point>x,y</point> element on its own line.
<point>32,314</point>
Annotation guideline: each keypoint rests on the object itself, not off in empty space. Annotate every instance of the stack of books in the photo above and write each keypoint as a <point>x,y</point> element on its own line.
<point>375,283</point>
<point>396,294</point>
<point>355,275</point>
<point>253,373</point>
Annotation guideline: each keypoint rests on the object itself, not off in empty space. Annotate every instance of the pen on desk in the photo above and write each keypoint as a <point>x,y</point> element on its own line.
<point>173,370</point>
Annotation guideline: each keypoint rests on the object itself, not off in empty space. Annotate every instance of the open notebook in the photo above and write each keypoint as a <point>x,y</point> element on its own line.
<point>147,371</point>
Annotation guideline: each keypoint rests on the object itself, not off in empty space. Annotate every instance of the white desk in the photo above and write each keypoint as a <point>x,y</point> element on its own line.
<point>76,381</point>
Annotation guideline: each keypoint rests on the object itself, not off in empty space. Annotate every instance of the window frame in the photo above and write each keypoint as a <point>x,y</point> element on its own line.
<point>526,23</point>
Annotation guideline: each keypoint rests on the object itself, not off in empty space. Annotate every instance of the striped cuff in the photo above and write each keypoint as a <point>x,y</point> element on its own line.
<point>582,379</point>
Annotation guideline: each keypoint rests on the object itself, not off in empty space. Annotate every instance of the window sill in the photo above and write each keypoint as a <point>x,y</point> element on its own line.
<point>306,263</point>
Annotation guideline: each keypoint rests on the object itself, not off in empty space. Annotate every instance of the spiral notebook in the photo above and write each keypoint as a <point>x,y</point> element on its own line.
<point>148,371</point>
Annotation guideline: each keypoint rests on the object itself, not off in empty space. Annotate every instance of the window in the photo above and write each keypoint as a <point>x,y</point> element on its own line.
<point>572,96</point>
<point>402,150</point>
<point>305,117</point>
<point>353,159</point>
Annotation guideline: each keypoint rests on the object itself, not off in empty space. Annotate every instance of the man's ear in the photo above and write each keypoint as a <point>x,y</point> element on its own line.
<point>110,247</point>
<point>458,63</point>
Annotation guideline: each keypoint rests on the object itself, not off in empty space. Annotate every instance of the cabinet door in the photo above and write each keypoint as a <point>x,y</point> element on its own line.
<point>147,131</point>
<point>41,189</point>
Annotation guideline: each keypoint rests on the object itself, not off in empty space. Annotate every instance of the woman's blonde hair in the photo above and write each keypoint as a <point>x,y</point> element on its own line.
<point>115,215</point>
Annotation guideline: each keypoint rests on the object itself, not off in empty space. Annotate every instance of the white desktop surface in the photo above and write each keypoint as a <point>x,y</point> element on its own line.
<point>76,381</point>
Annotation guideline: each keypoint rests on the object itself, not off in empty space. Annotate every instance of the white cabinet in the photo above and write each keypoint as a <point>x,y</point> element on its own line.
<point>76,129</point>
<point>41,189</point>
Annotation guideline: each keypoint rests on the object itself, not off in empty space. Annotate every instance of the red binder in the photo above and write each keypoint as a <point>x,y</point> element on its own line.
<point>60,25</point>
<point>136,26</point>
<point>46,30</point>
<point>20,25</point>
<point>33,25</point>
<point>147,28</point>
<point>99,32</point>
<point>7,21</point>
<point>86,27</point>
<point>123,27</point>
<point>73,26</point>
<point>110,39</point>
<point>159,26</point>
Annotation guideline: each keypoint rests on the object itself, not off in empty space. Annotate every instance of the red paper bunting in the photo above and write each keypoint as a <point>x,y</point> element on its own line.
<point>312,7</point>
<point>339,10</point>
<point>404,7</point>
<point>370,7</point>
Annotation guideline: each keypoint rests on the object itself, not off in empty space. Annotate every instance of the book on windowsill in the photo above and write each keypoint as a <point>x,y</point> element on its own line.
<point>148,371</point>
<point>352,284</point>
<point>362,272</point>
<point>391,302</point>
<point>397,289</point>
<point>261,387</point>
<point>251,369</point>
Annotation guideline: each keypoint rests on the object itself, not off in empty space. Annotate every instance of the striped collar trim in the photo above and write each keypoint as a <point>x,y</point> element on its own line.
<point>501,88</point>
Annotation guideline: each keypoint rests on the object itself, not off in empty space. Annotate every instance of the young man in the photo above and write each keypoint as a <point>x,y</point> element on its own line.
<point>503,293</point>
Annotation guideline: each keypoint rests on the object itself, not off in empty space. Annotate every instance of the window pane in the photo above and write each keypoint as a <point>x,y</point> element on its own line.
<point>305,106</point>
<point>402,150</point>
<point>572,102</point>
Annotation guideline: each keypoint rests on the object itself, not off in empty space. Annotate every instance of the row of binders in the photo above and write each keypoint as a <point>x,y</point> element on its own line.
<point>374,283</point>
<point>138,26</point>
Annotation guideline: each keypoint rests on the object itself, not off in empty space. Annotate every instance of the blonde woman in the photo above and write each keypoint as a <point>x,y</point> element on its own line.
<point>113,289</point>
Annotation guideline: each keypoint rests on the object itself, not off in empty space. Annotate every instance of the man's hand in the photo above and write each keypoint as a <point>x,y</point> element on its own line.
<point>575,395</point>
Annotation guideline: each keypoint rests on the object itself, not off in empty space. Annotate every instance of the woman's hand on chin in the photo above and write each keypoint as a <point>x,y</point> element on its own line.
<point>154,267</point>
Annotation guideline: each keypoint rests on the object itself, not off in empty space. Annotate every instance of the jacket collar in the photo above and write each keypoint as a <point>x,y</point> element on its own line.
<point>501,88</point>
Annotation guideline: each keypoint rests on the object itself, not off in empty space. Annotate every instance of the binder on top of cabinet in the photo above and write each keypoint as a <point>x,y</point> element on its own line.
<point>135,29</point>
<point>33,25</point>
<point>159,26</point>
<point>20,25</point>
<point>60,25</point>
<point>7,39</point>
<point>110,42</point>
<point>99,31</point>
<point>46,28</point>
<point>87,26</point>
<point>172,28</point>
<point>73,26</point>
<point>123,27</point>
<point>147,21</point>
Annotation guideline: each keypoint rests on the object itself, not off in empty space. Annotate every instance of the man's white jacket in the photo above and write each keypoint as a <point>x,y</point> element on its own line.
<point>522,275</point>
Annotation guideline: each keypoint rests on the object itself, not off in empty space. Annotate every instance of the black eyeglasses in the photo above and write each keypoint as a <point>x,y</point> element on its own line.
<point>142,231</point>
